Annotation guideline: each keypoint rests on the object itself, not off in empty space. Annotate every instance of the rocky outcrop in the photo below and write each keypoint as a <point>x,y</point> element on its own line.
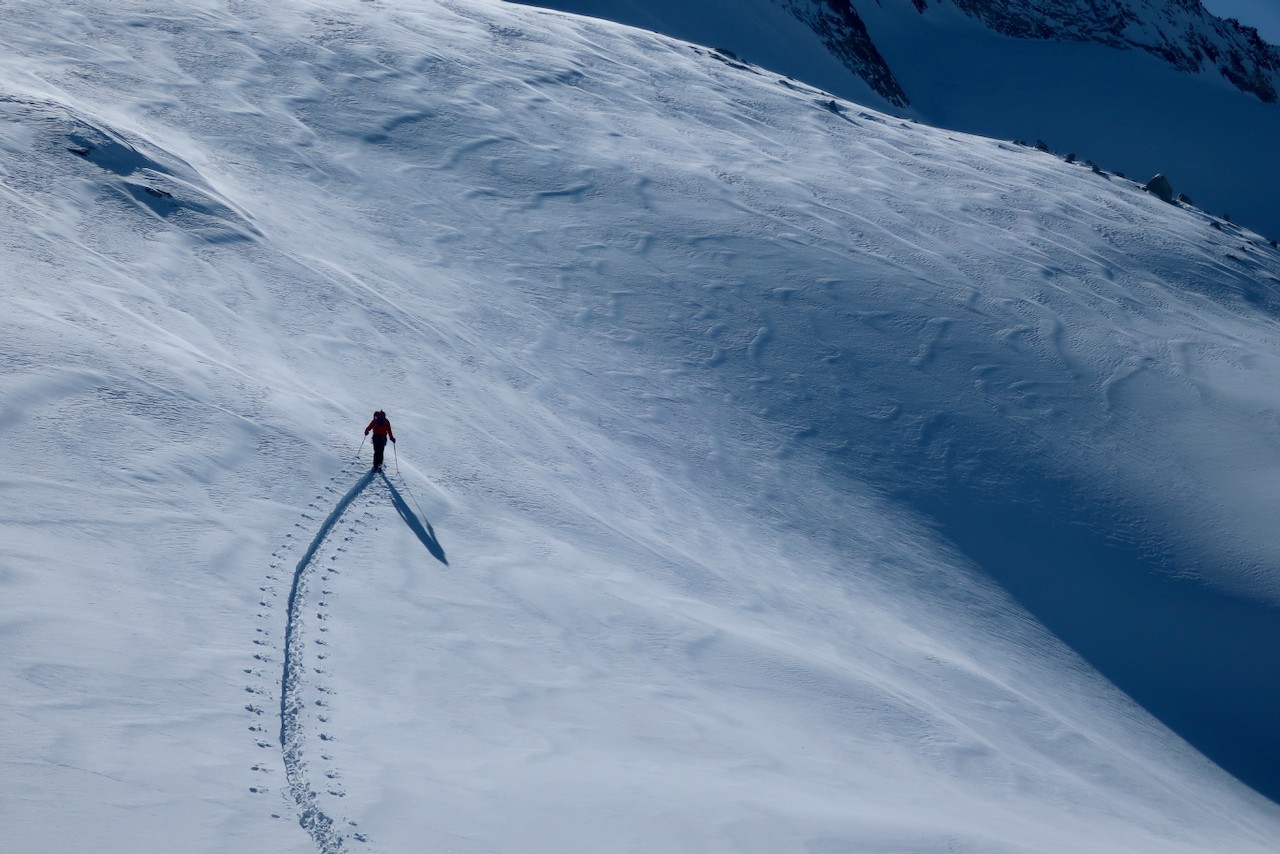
<point>842,30</point>
<point>1160,187</point>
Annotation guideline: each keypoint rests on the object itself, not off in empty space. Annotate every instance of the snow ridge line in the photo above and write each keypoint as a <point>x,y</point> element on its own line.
<point>312,818</point>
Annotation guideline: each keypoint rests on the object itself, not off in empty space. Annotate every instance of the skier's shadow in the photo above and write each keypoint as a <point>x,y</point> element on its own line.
<point>420,526</point>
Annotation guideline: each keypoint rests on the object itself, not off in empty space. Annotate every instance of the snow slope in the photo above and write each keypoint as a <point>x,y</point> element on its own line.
<point>772,475</point>
<point>1079,86</point>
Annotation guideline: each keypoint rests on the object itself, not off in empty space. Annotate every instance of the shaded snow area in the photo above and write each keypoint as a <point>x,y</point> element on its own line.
<point>771,475</point>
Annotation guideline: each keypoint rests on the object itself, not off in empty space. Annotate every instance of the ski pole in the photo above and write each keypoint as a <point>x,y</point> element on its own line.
<point>396,454</point>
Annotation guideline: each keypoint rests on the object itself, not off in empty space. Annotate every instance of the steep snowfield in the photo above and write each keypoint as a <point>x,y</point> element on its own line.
<point>765,465</point>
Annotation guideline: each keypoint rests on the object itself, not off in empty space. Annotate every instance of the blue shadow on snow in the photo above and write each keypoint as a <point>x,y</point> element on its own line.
<point>1200,660</point>
<point>420,526</point>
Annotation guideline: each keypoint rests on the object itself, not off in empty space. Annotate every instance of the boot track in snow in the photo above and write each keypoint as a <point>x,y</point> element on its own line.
<point>322,828</point>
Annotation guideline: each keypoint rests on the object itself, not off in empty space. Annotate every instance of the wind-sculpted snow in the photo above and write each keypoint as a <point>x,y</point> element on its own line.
<point>170,191</point>
<point>811,479</point>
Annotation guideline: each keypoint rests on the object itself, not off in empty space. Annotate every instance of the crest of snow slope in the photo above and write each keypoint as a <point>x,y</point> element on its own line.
<point>1133,87</point>
<point>731,413</point>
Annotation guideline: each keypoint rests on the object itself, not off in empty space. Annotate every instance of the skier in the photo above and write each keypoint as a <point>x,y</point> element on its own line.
<point>381,428</point>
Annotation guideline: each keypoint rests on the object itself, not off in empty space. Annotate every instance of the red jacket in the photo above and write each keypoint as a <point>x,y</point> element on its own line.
<point>380,427</point>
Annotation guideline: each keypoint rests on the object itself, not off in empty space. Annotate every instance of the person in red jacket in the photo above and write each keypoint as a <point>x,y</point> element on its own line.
<point>381,429</point>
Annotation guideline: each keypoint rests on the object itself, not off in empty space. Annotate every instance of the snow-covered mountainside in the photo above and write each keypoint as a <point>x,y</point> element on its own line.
<point>772,474</point>
<point>1180,32</point>
<point>1138,87</point>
